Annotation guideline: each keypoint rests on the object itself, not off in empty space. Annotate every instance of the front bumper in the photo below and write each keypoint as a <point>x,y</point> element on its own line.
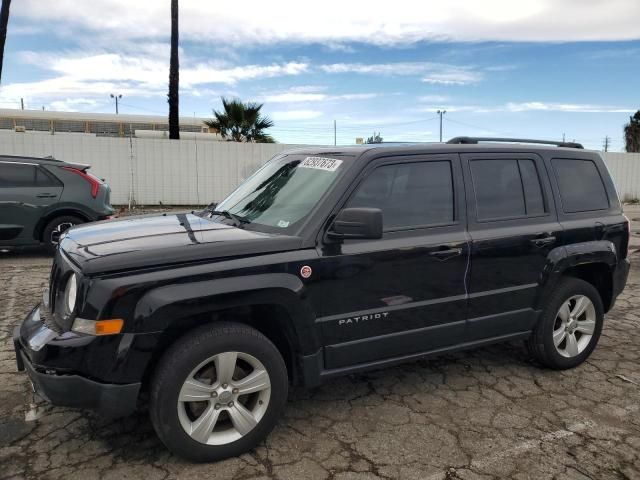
<point>63,388</point>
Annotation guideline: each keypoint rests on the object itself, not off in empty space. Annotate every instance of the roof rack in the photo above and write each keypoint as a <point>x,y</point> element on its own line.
<point>475,140</point>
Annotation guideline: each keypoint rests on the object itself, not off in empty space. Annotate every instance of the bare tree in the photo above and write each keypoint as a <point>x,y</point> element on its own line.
<point>174,76</point>
<point>4,21</point>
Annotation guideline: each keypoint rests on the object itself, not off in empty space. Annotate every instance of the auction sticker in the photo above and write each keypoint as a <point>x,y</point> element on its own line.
<point>321,163</point>
<point>305,272</point>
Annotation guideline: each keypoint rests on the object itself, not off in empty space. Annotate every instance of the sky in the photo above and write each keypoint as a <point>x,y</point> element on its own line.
<point>534,69</point>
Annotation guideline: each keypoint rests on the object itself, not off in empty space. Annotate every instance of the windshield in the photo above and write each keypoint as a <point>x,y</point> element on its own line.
<point>284,191</point>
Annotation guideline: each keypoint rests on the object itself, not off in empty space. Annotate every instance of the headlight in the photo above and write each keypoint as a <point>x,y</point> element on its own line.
<point>70,293</point>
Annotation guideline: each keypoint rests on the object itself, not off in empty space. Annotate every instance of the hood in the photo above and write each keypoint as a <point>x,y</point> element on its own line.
<point>155,240</point>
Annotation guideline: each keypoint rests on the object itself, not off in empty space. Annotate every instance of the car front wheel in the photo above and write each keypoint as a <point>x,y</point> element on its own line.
<point>218,392</point>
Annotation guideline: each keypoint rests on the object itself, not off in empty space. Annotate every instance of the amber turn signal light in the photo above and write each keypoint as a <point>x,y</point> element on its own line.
<point>112,326</point>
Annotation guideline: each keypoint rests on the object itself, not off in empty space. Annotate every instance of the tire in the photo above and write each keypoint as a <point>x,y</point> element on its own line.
<point>53,229</point>
<point>558,324</point>
<point>197,357</point>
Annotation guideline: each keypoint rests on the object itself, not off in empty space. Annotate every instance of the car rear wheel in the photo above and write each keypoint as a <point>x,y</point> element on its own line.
<point>55,228</point>
<point>218,392</point>
<point>570,325</point>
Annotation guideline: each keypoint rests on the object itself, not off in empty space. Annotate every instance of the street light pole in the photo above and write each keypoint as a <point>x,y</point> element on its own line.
<point>441,113</point>
<point>116,97</point>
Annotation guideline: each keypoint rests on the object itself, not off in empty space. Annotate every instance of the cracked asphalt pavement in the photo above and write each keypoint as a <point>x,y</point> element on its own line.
<point>486,413</point>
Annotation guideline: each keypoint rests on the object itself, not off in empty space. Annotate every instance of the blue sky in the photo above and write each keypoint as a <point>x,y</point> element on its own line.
<point>498,67</point>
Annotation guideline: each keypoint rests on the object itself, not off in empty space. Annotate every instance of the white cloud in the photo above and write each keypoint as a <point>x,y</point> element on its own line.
<point>296,96</point>
<point>516,107</point>
<point>434,98</point>
<point>293,97</point>
<point>75,104</point>
<point>82,75</point>
<point>152,69</point>
<point>296,115</point>
<point>338,22</point>
<point>565,107</point>
<point>435,73</point>
<point>206,73</point>
<point>460,77</point>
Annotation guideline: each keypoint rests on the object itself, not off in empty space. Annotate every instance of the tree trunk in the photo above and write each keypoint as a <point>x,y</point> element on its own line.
<point>4,21</point>
<point>174,76</point>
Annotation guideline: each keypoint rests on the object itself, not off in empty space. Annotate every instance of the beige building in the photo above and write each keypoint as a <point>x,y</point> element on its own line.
<point>99,124</point>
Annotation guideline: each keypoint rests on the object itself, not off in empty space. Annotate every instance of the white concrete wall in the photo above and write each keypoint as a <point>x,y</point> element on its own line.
<point>162,170</point>
<point>170,172</point>
<point>625,170</point>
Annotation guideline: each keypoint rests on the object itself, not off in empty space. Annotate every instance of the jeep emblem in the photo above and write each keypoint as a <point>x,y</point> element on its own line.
<point>305,272</point>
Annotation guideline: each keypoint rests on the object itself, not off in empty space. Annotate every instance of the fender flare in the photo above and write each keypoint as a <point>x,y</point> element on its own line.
<point>165,306</point>
<point>563,258</point>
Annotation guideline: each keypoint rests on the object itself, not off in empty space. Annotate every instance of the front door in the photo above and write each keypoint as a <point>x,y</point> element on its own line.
<point>513,227</point>
<point>404,294</point>
<point>26,191</point>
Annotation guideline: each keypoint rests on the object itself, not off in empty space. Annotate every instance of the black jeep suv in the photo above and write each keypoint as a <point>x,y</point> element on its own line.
<point>325,262</point>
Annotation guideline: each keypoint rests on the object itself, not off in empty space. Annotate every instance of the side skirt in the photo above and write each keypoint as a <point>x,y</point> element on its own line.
<point>315,374</point>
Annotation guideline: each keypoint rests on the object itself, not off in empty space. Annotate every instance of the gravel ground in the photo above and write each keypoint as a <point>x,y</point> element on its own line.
<point>486,413</point>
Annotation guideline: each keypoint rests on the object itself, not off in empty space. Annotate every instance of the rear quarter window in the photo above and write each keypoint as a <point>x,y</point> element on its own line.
<point>581,186</point>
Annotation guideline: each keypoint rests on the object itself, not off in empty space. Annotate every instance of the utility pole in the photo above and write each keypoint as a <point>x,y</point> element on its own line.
<point>117,97</point>
<point>335,133</point>
<point>441,113</point>
<point>21,103</point>
<point>563,137</point>
<point>606,143</point>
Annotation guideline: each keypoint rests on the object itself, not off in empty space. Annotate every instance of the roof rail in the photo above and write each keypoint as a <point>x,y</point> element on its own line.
<point>474,140</point>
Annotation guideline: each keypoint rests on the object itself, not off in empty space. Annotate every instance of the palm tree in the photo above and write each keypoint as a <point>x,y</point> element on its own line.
<point>241,122</point>
<point>174,76</point>
<point>632,133</point>
<point>4,21</point>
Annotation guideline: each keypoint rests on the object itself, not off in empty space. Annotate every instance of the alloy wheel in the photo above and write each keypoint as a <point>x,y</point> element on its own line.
<point>224,398</point>
<point>574,326</point>
<point>58,231</point>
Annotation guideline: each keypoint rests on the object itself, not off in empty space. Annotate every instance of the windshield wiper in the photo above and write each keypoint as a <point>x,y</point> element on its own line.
<point>227,214</point>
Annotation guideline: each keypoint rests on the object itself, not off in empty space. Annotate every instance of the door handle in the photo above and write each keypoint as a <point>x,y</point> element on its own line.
<point>46,195</point>
<point>544,241</point>
<point>444,253</point>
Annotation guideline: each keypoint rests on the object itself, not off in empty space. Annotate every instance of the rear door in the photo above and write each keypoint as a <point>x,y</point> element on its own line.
<point>26,191</point>
<point>513,226</point>
<point>404,293</point>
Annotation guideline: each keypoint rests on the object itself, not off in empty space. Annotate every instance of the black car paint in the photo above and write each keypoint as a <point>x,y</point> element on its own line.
<point>422,291</point>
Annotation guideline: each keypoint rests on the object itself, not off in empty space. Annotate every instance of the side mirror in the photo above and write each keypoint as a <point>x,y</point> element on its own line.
<point>365,223</point>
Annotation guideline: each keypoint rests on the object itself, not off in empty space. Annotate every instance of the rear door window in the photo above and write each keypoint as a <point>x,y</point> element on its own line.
<point>17,175</point>
<point>581,186</point>
<point>507,188</point>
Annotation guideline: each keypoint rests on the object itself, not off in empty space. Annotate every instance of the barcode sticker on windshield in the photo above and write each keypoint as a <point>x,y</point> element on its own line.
<point>321,163</point>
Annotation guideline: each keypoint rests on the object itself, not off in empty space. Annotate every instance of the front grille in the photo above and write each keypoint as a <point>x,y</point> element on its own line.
<point>54,280</point>
<point>48,320</point>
